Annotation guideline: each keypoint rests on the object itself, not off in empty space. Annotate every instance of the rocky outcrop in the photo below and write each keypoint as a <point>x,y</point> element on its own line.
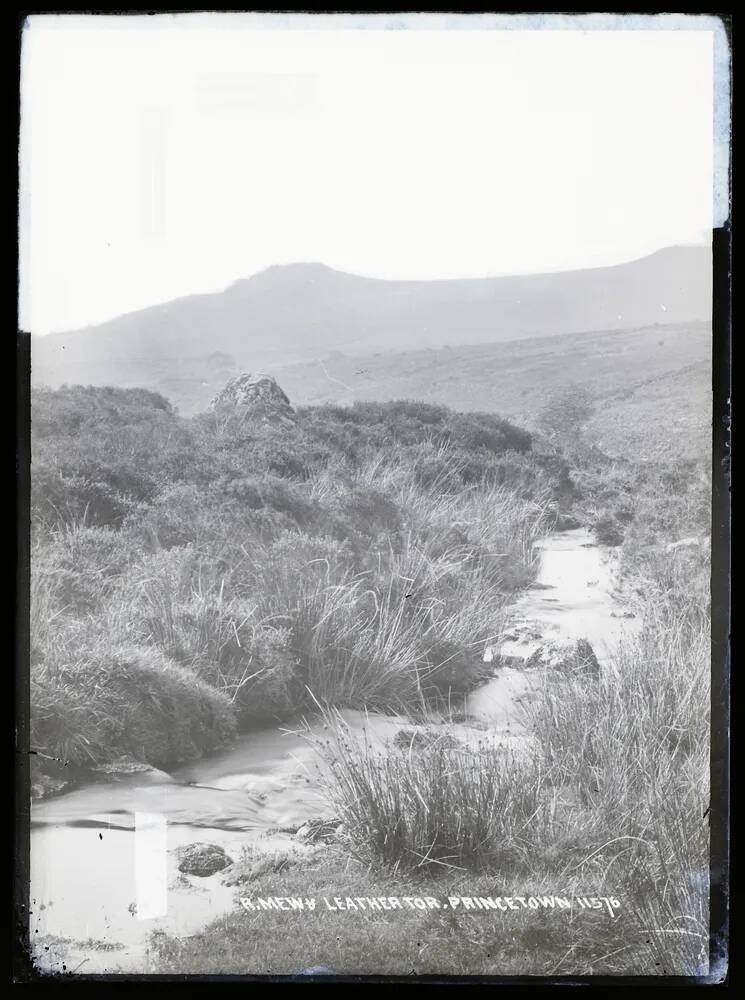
<point>255,398</point>
<point>202,859</point>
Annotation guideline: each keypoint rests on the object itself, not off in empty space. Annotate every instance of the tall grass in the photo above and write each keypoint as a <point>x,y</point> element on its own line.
<point>443,805</point>
<point>405,622</point>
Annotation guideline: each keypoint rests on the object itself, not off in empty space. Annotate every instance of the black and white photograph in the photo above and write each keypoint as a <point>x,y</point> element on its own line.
<point>372,481</point>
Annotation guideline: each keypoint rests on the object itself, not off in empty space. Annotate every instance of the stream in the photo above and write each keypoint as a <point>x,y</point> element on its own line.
<point>104,872</point>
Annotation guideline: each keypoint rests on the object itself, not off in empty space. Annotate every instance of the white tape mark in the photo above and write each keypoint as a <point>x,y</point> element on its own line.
<point>150,865</point>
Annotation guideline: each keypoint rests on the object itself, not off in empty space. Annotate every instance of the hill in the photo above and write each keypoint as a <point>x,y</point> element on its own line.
<point>300,312</point>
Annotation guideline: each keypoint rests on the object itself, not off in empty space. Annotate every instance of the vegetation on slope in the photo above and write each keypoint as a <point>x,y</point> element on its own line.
<point>649,389</point>
<point>361,555</point>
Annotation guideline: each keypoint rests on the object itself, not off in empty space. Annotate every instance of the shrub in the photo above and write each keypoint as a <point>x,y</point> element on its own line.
<point>365,427</point>
<point>60,498</point>
<point>564,416</point>
<point>96,704</point>
<point>177,516</point>
<point>268,686</point>
<point>274,494</point>
<point>608,530</point>
<point>81,565</point>
<point>368,512</point>
<point>73,409</point>
<point>105,450</point>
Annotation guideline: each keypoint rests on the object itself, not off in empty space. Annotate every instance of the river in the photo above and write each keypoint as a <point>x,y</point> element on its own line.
<point>104,871</point>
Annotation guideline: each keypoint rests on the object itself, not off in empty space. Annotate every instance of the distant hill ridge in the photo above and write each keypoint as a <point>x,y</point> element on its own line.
<point>296,312</point>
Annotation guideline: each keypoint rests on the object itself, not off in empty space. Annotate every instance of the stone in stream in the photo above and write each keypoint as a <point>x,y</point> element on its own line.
<point>521,636</point>
<point>567,656</point>
<point>202,859</point>
<point>523,631</point>
<point>502,659</point>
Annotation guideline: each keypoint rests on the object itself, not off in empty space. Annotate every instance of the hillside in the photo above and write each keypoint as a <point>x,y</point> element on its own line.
<point>651,387</point>
<point>300,312</point>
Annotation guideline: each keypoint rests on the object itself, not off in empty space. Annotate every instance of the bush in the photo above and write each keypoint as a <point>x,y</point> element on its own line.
<point>81,564</point>
<point>169,714</point>
<point>564,415</point>
<point>608,530</point>
<point>60,498</point>
<point>102,450</point>
<point>357,431</point>
<point>268,687</point>
<point>97,704</point>
<point>73,409</point>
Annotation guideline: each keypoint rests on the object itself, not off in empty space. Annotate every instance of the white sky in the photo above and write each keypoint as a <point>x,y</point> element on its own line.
<point>165,156</point>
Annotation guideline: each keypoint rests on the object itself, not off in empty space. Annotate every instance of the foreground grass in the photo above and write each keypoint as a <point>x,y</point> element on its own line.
<point>408,941</point>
